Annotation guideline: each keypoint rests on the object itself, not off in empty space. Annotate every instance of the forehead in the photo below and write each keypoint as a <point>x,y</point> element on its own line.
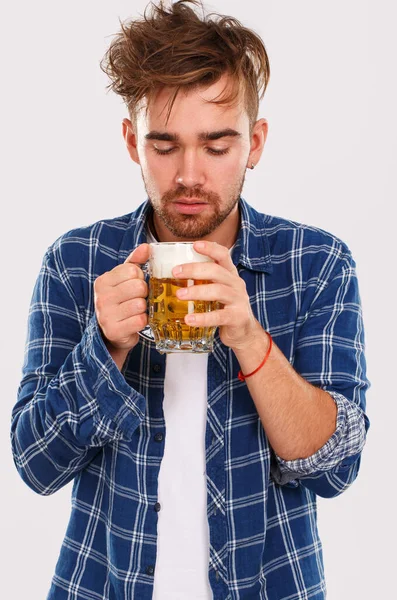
<point>192,110</point>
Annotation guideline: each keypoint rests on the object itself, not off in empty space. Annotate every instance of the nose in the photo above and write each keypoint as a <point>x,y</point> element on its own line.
<point>190,171</point>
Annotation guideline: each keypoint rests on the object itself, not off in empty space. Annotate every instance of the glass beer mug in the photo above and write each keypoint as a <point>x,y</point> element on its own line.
<point>166,311</point>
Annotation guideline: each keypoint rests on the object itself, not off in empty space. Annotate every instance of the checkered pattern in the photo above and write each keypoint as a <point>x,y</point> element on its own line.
<point>77,417</point>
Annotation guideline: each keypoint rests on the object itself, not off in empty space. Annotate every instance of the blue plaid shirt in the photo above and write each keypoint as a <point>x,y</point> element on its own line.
<point>78,417</point>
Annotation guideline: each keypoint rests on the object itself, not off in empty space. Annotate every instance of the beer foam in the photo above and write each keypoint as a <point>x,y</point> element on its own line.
<point>165,256</point>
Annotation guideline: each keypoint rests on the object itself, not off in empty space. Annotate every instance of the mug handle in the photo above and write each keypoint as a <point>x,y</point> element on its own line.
<point>146,333</point>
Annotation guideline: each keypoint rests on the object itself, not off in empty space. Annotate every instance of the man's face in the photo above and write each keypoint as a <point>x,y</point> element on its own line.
<point>194,167</point>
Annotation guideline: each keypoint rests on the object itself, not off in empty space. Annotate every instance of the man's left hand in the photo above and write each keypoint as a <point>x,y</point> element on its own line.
<point>236,322</point>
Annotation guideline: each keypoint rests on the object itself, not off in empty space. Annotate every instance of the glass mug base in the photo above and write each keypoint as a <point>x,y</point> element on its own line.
<point>179,337</point>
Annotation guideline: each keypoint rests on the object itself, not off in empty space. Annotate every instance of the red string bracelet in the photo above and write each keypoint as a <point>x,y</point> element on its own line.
<point>243,377</point>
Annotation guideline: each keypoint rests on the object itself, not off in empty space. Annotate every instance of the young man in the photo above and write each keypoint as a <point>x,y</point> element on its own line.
<point>192,480</point>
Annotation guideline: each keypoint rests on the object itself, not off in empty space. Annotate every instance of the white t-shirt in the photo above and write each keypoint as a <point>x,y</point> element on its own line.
<point>181,570</point>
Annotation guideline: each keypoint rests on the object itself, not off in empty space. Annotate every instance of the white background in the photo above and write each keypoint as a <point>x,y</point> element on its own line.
<point>329,161</point>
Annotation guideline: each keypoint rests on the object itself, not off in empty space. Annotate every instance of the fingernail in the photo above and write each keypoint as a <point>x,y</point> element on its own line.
<point>200,245</point>
<point>190,319</point>
<point>181,292</point>
<point>177,270</point>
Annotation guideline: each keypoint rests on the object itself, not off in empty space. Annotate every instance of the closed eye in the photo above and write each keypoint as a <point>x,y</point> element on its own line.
<point>209,150</point>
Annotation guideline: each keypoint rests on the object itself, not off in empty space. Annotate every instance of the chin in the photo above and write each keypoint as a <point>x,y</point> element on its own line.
<point>190,228</point>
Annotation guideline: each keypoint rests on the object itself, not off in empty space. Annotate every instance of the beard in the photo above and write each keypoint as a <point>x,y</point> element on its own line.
<point>199,225</point>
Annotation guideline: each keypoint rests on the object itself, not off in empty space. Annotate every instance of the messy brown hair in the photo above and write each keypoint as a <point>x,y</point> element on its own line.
<point>171,46</point>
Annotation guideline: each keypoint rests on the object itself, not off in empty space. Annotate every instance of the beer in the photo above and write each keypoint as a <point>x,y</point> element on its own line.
<point>166,310</point>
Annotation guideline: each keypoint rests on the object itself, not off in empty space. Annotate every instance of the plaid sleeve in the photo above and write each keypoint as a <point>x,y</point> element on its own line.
<point>330,354</point>
<point>72,398</point>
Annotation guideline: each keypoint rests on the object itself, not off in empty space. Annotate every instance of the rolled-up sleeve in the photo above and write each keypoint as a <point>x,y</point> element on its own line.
<point>330,355</point>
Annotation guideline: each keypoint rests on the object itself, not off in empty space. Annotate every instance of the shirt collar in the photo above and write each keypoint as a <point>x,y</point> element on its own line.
<point>251,249</point>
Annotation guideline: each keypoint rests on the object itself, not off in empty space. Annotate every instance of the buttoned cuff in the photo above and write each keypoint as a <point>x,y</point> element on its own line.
<point>115,400</point>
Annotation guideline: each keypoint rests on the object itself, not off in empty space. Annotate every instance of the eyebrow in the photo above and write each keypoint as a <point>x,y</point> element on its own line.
<point>205,136</point>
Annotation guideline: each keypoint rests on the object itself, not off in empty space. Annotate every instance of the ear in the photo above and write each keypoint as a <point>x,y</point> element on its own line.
<point>258,139</point>
<point>130,139</point>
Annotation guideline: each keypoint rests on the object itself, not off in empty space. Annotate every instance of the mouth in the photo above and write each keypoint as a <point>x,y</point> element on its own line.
<point>191,201</point>
<point>190,206</point>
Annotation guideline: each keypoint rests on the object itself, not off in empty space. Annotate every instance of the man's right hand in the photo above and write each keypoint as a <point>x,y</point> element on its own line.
<point>120,304</point>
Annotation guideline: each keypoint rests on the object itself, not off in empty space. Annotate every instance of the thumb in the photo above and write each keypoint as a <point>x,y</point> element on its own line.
<point>140,255</point>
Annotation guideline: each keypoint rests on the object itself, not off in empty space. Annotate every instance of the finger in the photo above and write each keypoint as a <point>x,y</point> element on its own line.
<point>209,271</point>
<point>140,255</point>
<point>136,288</point>
<point>215,318</point>
<point>219,253</point>
<point>211,292</point>
<point>135,323</point>
<point>131,308</point>
<point>122,273</point>
<point>131,325</point>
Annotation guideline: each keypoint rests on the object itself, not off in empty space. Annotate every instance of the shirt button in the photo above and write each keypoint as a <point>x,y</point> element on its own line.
<point>149,570</point>
<point>159,437</point>
<point>157,506</point>
<point>156,368</point>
